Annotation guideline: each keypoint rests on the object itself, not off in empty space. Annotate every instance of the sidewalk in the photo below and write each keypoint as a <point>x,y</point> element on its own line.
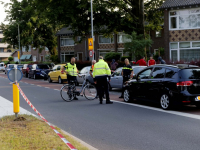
<point>6,108</point>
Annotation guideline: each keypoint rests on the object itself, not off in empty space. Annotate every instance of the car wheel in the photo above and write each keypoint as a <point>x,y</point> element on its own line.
<point>109,87</point>
<point>165,102</point>
<point>127,97</point>
<point>60,80</point>
<point>49,79</point>
<point>34,77</point>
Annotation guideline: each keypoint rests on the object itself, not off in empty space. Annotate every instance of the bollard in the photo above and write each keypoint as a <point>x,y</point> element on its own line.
<point>15,99</point>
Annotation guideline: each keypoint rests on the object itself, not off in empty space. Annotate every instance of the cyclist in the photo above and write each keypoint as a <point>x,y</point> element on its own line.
<point>72,72</point>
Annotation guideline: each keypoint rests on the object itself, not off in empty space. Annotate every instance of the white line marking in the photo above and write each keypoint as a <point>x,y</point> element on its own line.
<point>47,87</point>
<point>161,110</point>
<point>39,85</point>
<point>56,90</point>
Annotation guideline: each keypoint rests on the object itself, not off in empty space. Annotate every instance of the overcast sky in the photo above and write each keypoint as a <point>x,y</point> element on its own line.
<point>2,11</point>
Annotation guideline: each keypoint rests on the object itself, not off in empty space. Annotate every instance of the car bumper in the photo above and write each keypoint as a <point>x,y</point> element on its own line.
<point>186,98</point>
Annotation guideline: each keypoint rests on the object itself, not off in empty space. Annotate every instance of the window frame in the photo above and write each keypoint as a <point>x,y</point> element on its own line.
<point>111,41</point>
<point>122,34</point>
<point>65,38</point>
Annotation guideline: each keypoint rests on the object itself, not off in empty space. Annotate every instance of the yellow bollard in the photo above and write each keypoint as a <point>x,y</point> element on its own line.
<point>15,99</point>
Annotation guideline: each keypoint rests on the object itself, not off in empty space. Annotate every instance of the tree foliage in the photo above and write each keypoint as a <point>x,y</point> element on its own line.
<point>33,26</point>
<point>137,44</point>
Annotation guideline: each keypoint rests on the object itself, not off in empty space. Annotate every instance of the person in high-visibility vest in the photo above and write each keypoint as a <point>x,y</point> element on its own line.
<point>101,72</point>
<point>72,72</point>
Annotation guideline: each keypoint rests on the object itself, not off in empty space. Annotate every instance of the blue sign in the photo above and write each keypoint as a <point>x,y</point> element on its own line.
<point>15,75</point>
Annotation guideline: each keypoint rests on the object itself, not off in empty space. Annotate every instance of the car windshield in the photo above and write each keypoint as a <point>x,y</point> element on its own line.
<point>137,69</point>
<point>42,67</point>
<point>19,66</point>
<point>189,74</point>
<point>11,66</point>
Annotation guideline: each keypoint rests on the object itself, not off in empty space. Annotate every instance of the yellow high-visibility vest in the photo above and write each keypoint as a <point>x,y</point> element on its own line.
<point>71,69</point>
<point>101,69</point>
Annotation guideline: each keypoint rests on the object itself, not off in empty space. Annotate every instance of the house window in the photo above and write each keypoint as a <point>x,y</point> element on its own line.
<point>122,38</point>
<point>29,48</point>
<point>23,48</point>
<point>66,41</point>
<point>105,40</point>
<point>185,51</point>
<point>184,19</point>
<point>158,33</point>
<point>1,50</point>
<point>66,56</point>
<point>1,40</point>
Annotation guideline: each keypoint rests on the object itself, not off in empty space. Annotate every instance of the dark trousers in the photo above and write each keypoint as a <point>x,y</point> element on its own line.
<point>102,86</point>
<point>124,80</point>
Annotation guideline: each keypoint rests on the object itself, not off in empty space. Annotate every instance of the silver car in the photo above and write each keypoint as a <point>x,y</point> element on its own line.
<point>117,79</point>
<point>10,66</point>
<point>85,70</point>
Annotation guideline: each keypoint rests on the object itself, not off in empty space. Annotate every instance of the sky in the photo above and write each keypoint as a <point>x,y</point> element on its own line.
<point>2,11</point>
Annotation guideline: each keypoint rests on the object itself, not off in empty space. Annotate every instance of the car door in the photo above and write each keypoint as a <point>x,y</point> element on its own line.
<point>114,82</point>
<point>31,71</point>
<point>53,73</point>
<point>58,71</point>
<point>139,87</point>
<point>155,84</point>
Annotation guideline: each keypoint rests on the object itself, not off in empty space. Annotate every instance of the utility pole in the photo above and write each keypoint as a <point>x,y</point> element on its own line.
<point>19,44</point>
<point>92,28</point>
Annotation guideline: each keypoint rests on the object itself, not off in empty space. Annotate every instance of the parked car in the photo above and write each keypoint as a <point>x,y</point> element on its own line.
<point>9,67</point>
<point>2,67</point>
<point>86,71</point>
<point>166,85</point>
<point>56,75</point>
<point>25,69</point>
<point>117,79</point>
<point>35,71</point>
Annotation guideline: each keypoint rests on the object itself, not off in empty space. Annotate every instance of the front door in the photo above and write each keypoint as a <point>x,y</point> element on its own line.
<point>80,56</point>
<point>116,76</point>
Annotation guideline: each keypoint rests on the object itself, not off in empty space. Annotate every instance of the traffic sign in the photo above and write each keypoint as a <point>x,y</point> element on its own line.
<point>15,75</point>
<point>90,44</point>
<point>91,53</point>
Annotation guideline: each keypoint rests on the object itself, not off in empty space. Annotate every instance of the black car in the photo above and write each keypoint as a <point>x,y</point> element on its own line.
<point>38,71</point>
<point>166,85</point>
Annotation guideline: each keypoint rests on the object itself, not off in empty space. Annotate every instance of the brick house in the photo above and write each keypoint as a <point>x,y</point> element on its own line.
<point>181,30</point>
<point>32,54</point>
<point>102,45</point>
<point>4,52</point>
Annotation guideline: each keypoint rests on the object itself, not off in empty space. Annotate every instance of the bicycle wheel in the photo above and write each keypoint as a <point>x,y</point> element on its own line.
<point>90,92</point>
<point>67,93</point>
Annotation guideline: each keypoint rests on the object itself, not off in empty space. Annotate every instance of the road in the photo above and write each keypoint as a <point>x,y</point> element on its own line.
<point>112,127</point>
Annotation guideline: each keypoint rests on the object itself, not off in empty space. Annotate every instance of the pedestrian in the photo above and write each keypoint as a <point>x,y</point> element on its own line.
<point>101,72</point>
<point>161,60</point>
<point>92,67</point>
<point>142,62</point>
<point>113,65</point>
<point>127,73</point>
<point>151,61</point>
<point>72,72</point>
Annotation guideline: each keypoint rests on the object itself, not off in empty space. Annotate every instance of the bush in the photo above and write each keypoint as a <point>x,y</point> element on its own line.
<point>124,57</point>
<point>54,58</point>
<point>10,58</point>
<point>112,55</point>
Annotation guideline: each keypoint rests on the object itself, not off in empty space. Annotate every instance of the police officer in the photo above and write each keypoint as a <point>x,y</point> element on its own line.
<point>101,72</point>
<point>72,72</point>
<point>127,73</point>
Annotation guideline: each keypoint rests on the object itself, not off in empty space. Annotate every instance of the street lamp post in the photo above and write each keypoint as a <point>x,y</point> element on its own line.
<point>92,28</point>
<point>19,44</point>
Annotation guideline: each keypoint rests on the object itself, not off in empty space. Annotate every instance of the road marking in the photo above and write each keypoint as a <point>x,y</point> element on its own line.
<point>39,85</point>
<point>161,110</point>
<point>56,89</point>
<point>47,87</point>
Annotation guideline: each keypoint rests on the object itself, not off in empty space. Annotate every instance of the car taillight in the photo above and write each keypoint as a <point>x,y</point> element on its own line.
<point>184,83</point>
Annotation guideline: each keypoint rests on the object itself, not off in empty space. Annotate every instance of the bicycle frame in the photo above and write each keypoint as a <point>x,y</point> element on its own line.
<point>84,85</point>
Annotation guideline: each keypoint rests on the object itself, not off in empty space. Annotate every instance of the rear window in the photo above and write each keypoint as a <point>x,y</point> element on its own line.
<point>43,67</point>
<point>1,65</point>
<point>189,74</point>
<point>19,66</point>
<point>11,66</point>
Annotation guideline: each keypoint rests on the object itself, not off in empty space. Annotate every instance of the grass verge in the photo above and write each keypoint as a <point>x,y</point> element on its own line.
<point>31,134</point>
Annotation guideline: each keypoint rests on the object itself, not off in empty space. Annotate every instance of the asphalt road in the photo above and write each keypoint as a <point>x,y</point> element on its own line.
<point>111,127</point>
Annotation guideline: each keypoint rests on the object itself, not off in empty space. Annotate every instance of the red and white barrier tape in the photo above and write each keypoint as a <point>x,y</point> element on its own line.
<point>64,140</point>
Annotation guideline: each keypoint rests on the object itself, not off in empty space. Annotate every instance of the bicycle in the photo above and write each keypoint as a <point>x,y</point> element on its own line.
<point>68,91</point>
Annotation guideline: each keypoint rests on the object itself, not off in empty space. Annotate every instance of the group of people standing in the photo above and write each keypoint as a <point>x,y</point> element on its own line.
<point>101,73</point>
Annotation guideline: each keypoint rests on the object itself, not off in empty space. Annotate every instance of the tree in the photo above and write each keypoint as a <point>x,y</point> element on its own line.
<point>137,44</point>
<point>34,27</point>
